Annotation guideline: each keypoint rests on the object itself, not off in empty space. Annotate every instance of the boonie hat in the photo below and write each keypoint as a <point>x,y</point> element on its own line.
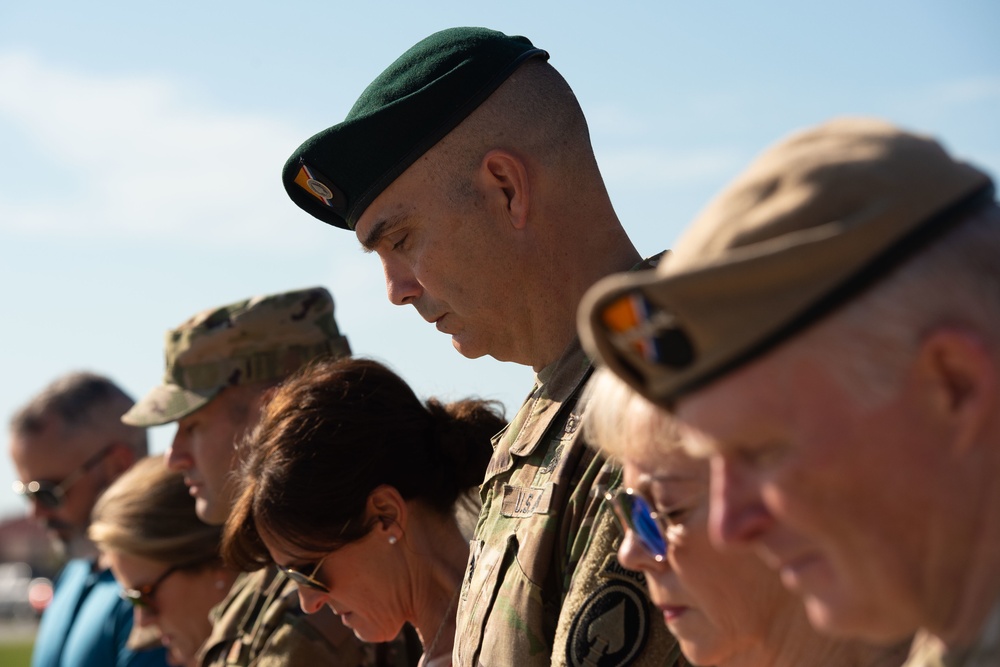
<point>261,338</point>
<point>407,109</point>
<point>813,221</point>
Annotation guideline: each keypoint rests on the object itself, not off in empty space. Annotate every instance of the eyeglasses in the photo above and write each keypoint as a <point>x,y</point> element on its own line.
<point>310,579</point>
<point>143,596</point>
<point>655,532</point>
<point>52,494</point>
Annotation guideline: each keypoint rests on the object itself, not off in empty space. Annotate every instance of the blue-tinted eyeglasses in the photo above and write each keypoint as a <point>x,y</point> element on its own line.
<point>636,515</point>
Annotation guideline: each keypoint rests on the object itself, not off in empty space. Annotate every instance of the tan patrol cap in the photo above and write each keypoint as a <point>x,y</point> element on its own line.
<point>814,220</point>
<point>261,338</point>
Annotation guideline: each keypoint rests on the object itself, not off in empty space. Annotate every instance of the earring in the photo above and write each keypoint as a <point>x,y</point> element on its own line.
<point>392,539</point>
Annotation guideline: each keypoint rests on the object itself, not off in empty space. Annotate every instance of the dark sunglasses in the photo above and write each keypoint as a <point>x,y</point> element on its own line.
<point>303,579</point>
<point>636,515</point>
<point>52,494</point>
<point>143,596</point>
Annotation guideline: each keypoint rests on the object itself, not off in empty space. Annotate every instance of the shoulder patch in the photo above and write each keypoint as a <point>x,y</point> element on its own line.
<point>611,627</point>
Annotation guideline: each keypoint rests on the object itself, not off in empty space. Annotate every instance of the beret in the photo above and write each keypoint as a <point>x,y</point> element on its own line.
<point>407,109</point>
<point>261,338</point>
<point>813,221</point>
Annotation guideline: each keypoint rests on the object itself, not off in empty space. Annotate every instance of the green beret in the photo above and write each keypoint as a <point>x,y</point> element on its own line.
<point>812,222</point>
<point>407,109</point>
<point>256,339</point>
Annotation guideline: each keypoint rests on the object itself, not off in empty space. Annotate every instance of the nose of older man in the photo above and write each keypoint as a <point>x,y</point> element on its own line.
<point>737,514</point>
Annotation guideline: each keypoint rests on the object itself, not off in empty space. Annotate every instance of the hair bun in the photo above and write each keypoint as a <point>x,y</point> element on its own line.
<point>461,439</point>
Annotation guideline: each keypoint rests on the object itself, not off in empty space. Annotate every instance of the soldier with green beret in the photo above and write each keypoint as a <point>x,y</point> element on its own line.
<point>467,167</point>
<point>221,366</point>
<point>827,332</point>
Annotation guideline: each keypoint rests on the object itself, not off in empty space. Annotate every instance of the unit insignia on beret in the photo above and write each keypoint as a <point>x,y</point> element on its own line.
<point>310,180</point>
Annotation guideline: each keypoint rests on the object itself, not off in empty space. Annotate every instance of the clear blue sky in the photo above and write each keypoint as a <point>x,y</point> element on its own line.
<point>141,145</point>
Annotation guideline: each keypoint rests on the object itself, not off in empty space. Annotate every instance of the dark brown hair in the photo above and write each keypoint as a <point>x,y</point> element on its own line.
<point>330,435</point>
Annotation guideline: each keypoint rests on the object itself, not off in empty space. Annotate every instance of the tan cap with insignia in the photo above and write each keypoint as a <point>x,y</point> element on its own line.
<point>261,338</point>
<point>814,220</point>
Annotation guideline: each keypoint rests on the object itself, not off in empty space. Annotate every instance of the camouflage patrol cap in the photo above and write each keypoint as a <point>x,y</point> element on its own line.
<point>407,109</point>
<point>812,222</point>
<point>261,338</point>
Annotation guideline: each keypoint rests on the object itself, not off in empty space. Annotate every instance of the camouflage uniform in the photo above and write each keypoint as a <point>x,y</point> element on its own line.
<point>928,651</point>
<point>260,623</point>
<point>543,585</point>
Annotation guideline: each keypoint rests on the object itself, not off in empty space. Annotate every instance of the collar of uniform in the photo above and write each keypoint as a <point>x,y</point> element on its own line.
<point>225,618</point>
<point>557,383</point>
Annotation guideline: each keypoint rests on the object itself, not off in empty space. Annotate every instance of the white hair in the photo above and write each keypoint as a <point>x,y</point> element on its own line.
<point>617,416</point>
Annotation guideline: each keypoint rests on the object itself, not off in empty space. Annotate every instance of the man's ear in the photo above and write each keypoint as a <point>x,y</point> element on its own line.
<point>961,377</point>
<point>506,174</point>
<point>119,459</point>
<point>386,510</point>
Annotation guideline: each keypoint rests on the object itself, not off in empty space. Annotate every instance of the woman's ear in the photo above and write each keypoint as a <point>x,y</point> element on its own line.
<point>387,512</point>
<point>505,175</point>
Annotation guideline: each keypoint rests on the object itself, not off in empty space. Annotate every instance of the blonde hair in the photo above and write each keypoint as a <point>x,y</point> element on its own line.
<point>617,416</point>
<point>148,512</point>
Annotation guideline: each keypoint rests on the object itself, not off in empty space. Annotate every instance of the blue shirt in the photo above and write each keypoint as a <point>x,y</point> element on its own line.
<point>87,624</point>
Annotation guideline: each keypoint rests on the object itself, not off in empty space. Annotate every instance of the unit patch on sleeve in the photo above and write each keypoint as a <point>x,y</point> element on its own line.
<point>611,628</point>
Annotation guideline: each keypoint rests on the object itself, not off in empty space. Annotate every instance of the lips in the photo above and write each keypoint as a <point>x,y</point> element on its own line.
<point>672,612</point>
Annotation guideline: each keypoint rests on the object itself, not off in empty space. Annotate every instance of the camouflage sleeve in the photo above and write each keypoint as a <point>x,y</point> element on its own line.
<point>306,640</point>
<point>606,617</point>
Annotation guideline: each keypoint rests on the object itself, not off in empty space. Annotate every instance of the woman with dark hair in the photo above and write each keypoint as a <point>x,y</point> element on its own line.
<point>366,497</point>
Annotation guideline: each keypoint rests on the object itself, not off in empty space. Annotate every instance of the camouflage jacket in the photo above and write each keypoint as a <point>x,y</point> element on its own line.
<point>260,623</point>
<point>928,651</point>
<point>543,585</point>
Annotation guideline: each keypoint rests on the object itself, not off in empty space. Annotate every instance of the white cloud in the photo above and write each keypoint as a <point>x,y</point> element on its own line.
<point>140,156</point>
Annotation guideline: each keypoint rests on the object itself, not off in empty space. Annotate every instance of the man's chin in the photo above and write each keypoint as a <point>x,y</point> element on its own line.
<point>466,350</point>
<point>838,616</point>
<point>209,512</point>
<point>69,544</point>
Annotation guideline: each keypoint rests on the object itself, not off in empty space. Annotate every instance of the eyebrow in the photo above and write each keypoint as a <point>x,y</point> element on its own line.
<point>670,477</point>
<point>380,229</point>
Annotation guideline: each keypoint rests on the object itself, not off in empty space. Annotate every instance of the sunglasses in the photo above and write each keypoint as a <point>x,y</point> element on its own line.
<point>52,494</point>
<point>303,579</point>
<point>143,596</point>
<point>655,531</point>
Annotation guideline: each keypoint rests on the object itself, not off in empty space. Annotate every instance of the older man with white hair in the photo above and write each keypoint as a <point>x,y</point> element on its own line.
<point>828,333</point>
